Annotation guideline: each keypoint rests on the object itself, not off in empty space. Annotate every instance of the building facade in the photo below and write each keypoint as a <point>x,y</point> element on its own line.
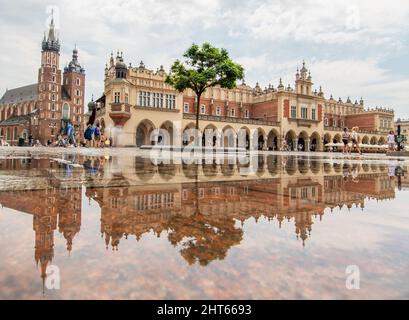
<point>41,110</point>
<point>136,101</point>
<point>404,127</point>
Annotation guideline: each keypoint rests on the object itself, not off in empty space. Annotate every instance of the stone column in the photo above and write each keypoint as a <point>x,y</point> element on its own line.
<point>307,145</point>
<point>295,144</point>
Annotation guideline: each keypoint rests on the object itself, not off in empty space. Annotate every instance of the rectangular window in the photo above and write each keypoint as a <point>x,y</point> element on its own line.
<point>161,100</point>
<point>117,97</point>
<point>126,98</point>
<point>304,112</point>
<point>326,122</point>
<point>233,112</point>
<point>202,109</point>
<point>293,112</point>
<point>186,108</point>
<point>313,114</point>
<point>334,122</point>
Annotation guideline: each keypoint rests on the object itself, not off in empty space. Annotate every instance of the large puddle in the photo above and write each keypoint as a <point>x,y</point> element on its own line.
<point>118,226</point>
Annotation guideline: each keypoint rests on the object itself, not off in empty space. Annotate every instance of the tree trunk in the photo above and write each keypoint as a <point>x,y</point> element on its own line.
<point>197,111</point>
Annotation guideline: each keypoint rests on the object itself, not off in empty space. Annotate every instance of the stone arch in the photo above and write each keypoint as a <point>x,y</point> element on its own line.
<point>315,142</point>
<point>327,138</point>
<point>166,134</point>
<point>229,137</point>
<point>272,140</point>
<point>261,134</point>
<point>210,136</point>
<point>365,140</point>
<point>337,138</point>
<point>290,137</point>
<point>302,142</point>
<point>188,138</point>
<point>382,141</point>
<point>241,140</point>
<point>374,140</point>
<point>143,133</point>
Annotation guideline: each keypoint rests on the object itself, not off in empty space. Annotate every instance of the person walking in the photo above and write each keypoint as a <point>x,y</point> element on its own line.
<point>345,140</point>
<point>391,141</point>
<point>355,139</point>
<point>70,134</point>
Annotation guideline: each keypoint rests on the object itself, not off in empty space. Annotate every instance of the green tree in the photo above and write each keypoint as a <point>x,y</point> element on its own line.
<point>204,67</point>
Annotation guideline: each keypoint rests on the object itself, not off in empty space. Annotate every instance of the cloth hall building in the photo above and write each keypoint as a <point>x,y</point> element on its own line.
<point>136,101</point>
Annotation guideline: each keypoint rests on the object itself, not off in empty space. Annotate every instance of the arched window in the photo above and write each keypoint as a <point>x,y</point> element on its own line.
<point>202,109</point>
<point>66,111</point>
<point>246,113</point>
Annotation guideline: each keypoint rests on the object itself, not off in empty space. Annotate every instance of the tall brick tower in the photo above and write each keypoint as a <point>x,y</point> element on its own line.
<point>74,90</point>
<point>49,87</point>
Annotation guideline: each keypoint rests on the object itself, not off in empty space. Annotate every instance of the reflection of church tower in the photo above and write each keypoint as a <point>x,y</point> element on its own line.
<point>69,225</point>
<point>44,226</point>
<point>303,223</point>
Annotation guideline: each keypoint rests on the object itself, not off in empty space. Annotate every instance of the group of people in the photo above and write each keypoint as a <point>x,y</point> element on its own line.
<point>95,137</point>
<point>352,137</point>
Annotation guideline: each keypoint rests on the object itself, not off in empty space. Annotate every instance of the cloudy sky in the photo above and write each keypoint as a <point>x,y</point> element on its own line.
<point>353,48</point>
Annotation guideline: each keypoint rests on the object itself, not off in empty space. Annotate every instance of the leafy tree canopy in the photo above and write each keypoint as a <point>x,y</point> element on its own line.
<point>204,67</point>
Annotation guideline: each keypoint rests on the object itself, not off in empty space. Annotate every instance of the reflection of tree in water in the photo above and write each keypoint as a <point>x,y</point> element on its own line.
<point>203,238</point>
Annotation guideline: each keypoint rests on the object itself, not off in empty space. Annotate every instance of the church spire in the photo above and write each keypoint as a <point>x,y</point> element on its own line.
<point>51,43</point>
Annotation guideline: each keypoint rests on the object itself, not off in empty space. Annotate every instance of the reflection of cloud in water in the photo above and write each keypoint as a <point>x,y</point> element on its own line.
<point>201,238</point>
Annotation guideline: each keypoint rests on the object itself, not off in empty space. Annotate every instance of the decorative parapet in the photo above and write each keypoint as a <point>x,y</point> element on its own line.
<point>232,120</point>
<point>360,130</point>
<point>156,109</point>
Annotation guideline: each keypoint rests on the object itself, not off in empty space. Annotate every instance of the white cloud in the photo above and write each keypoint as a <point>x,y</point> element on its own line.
<point>269,38</point>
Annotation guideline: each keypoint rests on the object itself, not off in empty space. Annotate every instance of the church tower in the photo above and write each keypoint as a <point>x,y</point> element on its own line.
<point>73,90</point>
<point>303,81</point>
<point>49,86</point>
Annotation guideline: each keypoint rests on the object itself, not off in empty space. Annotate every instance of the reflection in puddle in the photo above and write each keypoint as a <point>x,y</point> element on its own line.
<point>201,210</point>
